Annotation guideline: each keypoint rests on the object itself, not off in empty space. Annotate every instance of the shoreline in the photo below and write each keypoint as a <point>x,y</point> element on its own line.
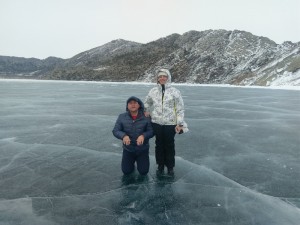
<point>283,87</point>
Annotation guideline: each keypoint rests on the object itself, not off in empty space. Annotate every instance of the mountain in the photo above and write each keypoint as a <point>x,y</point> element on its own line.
<point>207,57</point>
<point>11,67</point>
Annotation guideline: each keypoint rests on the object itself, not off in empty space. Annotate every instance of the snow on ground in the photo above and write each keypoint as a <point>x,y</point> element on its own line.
<point>287,78</point>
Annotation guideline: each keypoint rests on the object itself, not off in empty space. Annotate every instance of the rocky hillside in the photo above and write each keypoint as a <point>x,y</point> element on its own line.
<point>12,67</point>
<point>208,57</point>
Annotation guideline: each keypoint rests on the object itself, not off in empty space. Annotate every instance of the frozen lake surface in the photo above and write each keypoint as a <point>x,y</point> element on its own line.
<point>60,164</point>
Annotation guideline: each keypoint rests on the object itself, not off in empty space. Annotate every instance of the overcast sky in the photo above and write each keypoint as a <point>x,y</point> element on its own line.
<point>64,28</point>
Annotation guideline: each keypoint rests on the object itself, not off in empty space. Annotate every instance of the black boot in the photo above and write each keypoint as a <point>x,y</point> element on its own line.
<point>160,169</point>
<point>170,171</point>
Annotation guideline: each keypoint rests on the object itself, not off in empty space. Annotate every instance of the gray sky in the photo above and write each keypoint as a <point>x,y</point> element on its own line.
<point>64,28</point>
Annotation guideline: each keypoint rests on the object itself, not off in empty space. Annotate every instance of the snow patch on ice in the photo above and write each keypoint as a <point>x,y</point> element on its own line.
<point>11,139</point>
<point>116,145</point>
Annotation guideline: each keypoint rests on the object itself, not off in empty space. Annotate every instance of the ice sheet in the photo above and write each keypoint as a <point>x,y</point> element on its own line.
<point>60,164</point>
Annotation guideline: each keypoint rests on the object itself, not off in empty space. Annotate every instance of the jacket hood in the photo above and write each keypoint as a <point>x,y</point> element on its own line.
<point>137,100</point>
<point>165,72</point>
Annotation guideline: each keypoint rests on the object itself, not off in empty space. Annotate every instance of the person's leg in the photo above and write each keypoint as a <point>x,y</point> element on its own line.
<point>128,160</point>
<point>142,162</point>
<point>169,134</point>
<point>159,146</point>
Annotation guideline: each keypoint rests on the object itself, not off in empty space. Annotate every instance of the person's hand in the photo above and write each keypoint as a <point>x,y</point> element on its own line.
<point>140,140</point>
<point>178,128</point>
<point>147,114</point>
<point>126,140</point>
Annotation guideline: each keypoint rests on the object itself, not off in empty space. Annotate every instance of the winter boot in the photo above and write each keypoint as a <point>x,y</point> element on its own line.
<point>160,169</point>
<point>170,171</point>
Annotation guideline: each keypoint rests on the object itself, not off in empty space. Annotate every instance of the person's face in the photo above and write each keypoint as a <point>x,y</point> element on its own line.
<point>162,79</point>
<point>133,106</point>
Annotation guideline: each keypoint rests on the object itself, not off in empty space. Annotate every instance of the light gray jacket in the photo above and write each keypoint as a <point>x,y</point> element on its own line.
<point>168,110</point>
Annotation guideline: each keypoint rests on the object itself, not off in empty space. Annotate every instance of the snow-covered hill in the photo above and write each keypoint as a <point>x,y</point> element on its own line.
<point>206,57</point>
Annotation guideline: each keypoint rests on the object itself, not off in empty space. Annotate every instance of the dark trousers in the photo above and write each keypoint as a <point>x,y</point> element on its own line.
<point>164,144</point>
<point>141,158</point>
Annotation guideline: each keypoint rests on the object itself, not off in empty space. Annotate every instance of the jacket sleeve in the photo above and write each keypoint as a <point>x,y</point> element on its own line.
<point>149,130</point>
<point>148,102</point>
<point>118,129</point>
<point>179,106</point>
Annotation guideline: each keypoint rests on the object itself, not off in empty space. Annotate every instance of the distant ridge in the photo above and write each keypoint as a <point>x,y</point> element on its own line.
<point>206,57</point>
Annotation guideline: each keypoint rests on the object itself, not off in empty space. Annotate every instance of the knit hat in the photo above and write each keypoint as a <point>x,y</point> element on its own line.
<point>162,73</point>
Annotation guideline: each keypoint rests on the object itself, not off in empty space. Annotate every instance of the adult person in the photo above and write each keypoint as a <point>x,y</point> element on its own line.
<point>165,106</point>
<point>135,130</point>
